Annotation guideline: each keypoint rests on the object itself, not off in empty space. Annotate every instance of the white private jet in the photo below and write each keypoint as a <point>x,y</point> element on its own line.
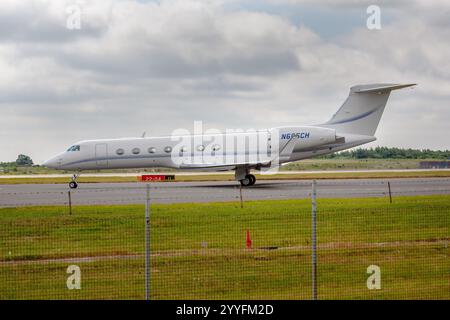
<point>352,125</point>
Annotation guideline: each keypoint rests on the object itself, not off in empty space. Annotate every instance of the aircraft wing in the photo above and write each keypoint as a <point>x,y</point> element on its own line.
<point>224,166</point>
<point>284,153</point>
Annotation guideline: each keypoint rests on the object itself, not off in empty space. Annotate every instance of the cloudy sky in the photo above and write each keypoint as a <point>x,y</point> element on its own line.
<point>156,66</point>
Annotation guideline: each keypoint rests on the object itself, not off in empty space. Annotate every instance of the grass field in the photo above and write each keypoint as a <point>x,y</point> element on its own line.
<point>230,177</point>
<point>198,250</point>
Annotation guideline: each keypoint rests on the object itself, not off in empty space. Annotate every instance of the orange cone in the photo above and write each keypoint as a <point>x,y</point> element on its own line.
<point>248,241</point>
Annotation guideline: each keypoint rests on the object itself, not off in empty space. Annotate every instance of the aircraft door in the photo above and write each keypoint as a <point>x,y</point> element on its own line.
<point>101,155</point>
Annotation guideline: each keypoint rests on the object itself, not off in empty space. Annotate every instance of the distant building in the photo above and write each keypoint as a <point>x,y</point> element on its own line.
<point>434,164</point>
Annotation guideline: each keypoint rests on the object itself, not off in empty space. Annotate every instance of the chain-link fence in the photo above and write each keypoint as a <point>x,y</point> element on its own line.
<point>206,244</point>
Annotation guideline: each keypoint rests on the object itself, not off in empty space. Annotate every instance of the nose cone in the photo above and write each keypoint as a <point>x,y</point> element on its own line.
<point>51,163</point>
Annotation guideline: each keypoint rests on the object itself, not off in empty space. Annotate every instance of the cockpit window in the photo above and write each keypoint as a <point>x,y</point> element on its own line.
<point>74,148</point>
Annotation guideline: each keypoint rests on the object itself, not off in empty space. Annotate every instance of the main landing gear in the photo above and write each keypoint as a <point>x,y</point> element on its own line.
<point>242,174</point>
<point>249,180</point>
<point>73,184</point>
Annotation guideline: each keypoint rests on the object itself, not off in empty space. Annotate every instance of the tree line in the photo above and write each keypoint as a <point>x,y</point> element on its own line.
<point>22,160</point>
<point>390,153</point>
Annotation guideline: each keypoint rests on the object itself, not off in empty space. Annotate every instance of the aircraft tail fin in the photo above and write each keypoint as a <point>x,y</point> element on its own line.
<point>362,111</point>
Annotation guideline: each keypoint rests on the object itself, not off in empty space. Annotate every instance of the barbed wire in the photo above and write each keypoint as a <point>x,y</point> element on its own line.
<point>134,193</point>
<point>196,187</point>
<point>212,198</point>
<point>246,190</point>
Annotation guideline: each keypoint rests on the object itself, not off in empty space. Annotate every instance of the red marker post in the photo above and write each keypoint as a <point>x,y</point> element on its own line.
<point>248,241</point>
<point>150,178</point>
<point>156,177</point>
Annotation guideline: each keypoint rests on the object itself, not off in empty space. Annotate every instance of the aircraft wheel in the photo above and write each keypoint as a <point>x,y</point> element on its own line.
<point>252,179</point>
<point>73,185</point>
<point>246,181</point>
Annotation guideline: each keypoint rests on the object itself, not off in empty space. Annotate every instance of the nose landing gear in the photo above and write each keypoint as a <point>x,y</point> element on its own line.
<point>73,184</point>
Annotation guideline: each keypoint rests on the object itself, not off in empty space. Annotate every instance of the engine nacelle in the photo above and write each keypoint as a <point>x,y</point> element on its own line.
<point>306,137</point>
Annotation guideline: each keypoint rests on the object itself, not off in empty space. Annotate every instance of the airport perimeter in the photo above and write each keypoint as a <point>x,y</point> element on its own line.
<point>370,244</point>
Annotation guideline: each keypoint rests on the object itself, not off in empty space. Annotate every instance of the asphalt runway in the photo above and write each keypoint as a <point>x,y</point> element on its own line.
<point>179,192</point>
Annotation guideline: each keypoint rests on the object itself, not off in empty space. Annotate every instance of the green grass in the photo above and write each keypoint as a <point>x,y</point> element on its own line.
<point>198,250</point>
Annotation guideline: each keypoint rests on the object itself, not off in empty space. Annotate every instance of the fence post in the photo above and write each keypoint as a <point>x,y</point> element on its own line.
<point>147,243</point>
<point>240,194</point>
<point>390,194</point>
<point>313,240</point>
<point>70,202</point>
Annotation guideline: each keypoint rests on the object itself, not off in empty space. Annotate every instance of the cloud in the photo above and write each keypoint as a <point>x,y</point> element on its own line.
<point>156,66</point>
<point>345,4</point>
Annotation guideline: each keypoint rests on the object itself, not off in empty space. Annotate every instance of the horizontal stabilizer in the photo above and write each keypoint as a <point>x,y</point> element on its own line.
<point>380,87</point>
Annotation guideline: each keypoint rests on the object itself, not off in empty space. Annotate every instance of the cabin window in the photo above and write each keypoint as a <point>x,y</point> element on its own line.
<point>168,149</point>
<point>151,150</point>
<point>201,147</point>
<point>136,151</point>
<point>74,148</point>
<point>120,151</point>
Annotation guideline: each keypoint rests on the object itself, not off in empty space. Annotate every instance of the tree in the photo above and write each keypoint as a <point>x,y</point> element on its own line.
<point>23,160</point>
<point>390,153</point>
